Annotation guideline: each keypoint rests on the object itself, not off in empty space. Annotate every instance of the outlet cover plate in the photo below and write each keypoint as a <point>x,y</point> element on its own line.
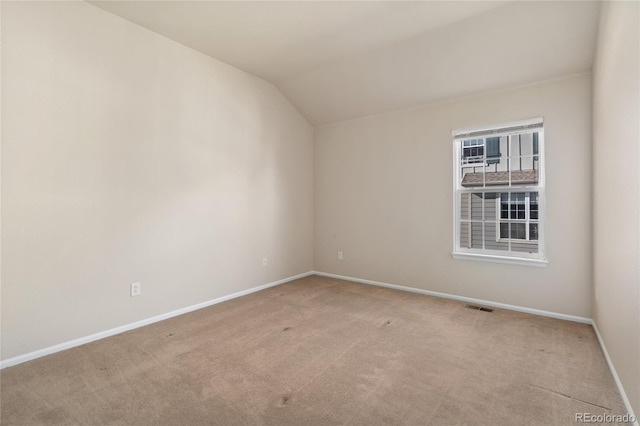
<point>135,289</point>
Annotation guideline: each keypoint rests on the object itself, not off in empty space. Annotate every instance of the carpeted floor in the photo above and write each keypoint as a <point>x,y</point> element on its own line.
<point>320,351</point>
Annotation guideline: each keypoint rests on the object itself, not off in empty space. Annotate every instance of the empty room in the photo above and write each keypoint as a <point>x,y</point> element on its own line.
<point>320,212</point>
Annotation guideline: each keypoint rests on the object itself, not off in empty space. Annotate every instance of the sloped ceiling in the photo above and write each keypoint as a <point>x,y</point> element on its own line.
<point>341,60</point>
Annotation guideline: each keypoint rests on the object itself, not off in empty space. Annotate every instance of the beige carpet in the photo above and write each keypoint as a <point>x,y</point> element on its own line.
<point>319,351</point>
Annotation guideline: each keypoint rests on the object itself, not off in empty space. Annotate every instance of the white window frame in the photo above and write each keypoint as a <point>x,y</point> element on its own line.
<point>535,125</point>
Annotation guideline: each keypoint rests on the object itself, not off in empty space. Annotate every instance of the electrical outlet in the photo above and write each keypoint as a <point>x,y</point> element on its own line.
<point>135,289</point>
<point>265,261</point>
<point>340,255</point>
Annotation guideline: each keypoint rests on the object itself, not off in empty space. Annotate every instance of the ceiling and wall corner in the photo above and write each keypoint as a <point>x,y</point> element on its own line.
<point>337,61</point>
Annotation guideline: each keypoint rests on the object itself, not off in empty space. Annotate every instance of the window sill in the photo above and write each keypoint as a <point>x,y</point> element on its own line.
<point>540,263</point>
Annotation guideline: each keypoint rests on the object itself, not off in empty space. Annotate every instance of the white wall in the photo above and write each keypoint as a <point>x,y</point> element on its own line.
<point>383,195</point>
<point>129,157</point>
<point>616,211</point>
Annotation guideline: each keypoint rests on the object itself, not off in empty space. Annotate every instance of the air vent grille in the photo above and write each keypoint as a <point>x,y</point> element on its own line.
<point>479,308</point>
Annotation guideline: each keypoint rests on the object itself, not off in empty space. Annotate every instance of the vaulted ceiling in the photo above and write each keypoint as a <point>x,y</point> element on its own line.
<point>341,60</point>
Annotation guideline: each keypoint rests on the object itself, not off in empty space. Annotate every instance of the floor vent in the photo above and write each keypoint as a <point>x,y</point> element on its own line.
<point>479,308</point>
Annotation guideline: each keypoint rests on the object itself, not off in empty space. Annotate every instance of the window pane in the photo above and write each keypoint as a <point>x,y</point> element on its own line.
<point>514,152</point>
<point>465,206</point>
<point>472,154</point>
<point>526,151</point>
<point>513,208</point>
<point>476,235</point>
<point>533,231</point>
<point>493,150</point>
<point>523,163</point>
<point>465,234</point>
<point>518,231</point>
<point>504,230</point>
<point>476,206</point>
<point>522,177</point>
<point>533,206</point>
<point>524,246</point>
<point>492,237</point>
<point>504,205</point>
<point>517,205</point>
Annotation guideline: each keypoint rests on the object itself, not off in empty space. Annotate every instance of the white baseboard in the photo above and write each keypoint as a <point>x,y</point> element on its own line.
<point>463,299</point>
<point>615,374</point>
<point>107,333</point>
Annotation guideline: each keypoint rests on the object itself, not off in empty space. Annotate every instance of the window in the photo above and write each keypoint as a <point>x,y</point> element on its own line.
<point>499,193</point>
